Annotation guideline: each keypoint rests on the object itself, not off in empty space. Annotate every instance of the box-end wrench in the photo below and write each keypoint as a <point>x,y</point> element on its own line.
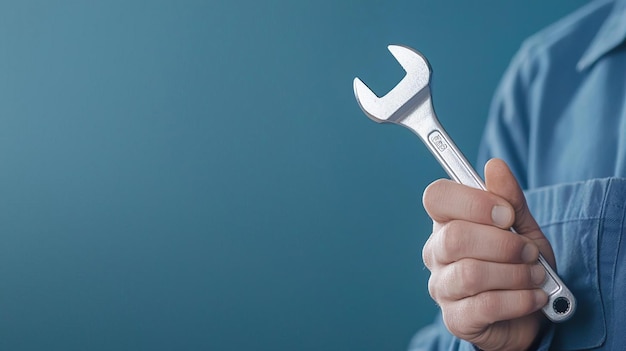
<point>410,104</point>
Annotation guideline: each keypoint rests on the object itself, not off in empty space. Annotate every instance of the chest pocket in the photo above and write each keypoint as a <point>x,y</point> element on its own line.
<point>583,222</point>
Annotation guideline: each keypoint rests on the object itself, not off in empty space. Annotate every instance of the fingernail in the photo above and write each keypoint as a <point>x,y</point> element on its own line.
<point>537,274</point>
<point>530,253</point>
<point>501,215</point>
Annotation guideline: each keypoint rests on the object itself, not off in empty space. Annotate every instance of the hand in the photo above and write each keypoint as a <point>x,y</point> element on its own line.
<point>485,278</point>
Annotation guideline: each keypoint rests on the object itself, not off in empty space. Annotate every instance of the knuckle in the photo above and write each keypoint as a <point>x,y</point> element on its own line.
<point>489,305</point>
<point>432,288</point>
<point>451,240</point>
<point>468,276</point>
<point>427,253</point>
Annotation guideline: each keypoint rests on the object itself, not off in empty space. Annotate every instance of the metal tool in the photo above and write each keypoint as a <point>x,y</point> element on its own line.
<point>410,104</point>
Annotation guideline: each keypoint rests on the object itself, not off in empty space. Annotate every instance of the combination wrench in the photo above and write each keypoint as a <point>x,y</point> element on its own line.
<point>409,104</point>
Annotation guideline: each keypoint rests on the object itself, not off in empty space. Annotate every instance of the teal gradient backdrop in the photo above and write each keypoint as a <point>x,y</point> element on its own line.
<point>196,175</point>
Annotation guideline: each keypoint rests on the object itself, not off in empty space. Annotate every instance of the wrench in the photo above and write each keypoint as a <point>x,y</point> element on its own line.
<point>410,104</point>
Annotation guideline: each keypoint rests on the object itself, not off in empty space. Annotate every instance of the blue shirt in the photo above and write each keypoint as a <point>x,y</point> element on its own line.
<point>558,119</point>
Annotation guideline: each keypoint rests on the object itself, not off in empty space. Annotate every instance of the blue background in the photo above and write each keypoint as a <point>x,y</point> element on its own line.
<point>196,175</point>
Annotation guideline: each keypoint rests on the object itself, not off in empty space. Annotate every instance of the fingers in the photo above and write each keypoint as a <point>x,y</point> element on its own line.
<point>470,277</point>
<point>502,206</point>
<point>470,315</point>
<point>457,240</point>
<point>501,182</point>
<point>445,200</point>
<point>485,278</point>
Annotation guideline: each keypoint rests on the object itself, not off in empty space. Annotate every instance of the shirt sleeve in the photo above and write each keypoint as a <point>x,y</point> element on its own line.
<point>506,132</point>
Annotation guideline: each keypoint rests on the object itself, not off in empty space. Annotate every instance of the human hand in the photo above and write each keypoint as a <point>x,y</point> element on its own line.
<point>484,277</point>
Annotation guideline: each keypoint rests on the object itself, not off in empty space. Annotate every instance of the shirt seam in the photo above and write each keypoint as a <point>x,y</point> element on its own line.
<point>547,224</point>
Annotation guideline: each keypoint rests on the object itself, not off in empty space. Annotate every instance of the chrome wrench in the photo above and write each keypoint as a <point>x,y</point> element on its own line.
<point>410,104</point>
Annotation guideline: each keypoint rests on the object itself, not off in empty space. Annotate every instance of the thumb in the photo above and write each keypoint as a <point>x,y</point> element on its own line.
<point>500,181</point>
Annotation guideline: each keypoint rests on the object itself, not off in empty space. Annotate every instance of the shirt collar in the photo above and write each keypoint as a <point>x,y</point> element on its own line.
<point>611,34</point>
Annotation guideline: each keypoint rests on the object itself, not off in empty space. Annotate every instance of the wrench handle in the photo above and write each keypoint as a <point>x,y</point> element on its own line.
<point>452,160</point>
<point>561,302</point>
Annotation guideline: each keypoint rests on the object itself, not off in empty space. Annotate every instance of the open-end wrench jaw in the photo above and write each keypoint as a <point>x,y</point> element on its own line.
<point>412,89</point>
